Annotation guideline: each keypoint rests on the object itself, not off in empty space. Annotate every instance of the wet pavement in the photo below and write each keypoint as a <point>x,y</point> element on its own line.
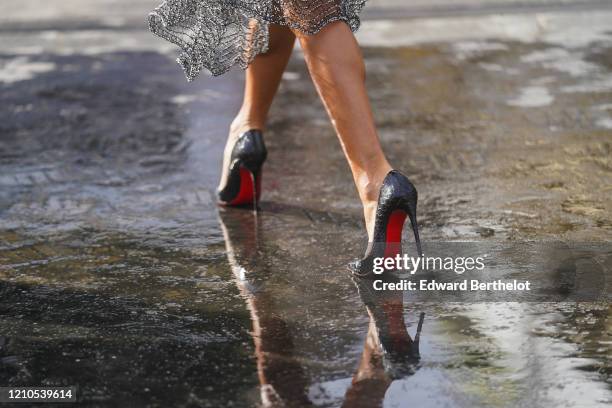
<point>119,274</point>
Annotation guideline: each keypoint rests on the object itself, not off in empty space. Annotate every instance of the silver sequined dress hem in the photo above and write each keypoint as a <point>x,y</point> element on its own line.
<point>215,35</point>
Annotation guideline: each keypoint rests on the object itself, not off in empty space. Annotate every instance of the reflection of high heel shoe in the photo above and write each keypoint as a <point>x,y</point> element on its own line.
<point>400,353</point>
<point>397,199</point>
<point>243,185</point>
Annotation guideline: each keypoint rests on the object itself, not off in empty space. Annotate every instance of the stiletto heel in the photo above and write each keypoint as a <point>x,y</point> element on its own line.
<point>396,201</point>
<point>255,192</point>
<point>417,336</point>
<point>243,186</point>
<point>415,228</point>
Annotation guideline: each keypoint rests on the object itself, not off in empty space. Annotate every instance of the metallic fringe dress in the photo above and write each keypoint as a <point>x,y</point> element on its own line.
<point>218,34</point>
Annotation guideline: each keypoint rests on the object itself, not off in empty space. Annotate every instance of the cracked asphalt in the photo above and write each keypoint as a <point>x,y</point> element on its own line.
<point>119,274</point>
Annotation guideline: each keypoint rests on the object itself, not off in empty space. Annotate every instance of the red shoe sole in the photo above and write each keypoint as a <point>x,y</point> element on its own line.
<point>248,192</point>
<point>395,225</point>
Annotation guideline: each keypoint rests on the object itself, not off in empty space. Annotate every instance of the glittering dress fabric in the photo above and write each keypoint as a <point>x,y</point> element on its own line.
<point>218,34</point>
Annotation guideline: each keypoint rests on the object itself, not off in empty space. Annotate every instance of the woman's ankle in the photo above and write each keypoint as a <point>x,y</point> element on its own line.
<point>243,123</point>
<point>369,183</point>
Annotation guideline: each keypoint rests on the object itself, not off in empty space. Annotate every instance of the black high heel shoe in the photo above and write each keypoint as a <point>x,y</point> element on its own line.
<point>243,186</point>
<point>397,199</point>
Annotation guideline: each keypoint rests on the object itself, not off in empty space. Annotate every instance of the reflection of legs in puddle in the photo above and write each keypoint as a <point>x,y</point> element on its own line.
<point>389,352</point>
<point>282,379</point>
<point>370,382</point>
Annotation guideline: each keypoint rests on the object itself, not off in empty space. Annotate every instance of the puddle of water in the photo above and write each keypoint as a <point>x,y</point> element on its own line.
<point>469,49</point>
<point>22,69</point>
<point>599,84</point>
<point>118,273</point>
<point>572,30</point>
<point>532,96</point>
<point>562,60</point>
<point>605,123</point>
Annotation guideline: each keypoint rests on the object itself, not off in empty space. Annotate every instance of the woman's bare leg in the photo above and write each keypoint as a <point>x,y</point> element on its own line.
<point>336,66</point>
<point>263,77</point>
<point>370,382</point>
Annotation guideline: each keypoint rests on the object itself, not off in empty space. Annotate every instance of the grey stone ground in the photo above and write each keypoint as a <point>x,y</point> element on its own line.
<point>119,274</point>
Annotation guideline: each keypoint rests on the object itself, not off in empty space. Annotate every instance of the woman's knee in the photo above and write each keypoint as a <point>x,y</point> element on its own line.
<point>334,47</point>
<point>331,32</point>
